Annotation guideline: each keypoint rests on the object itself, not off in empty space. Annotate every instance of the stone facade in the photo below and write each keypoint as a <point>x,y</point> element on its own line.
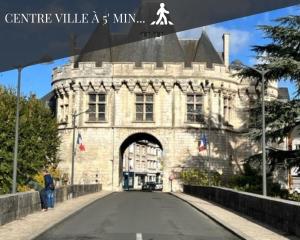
<point>224,99</point>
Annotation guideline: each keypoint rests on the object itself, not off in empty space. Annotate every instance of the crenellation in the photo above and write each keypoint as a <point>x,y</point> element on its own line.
<point>175,70</point>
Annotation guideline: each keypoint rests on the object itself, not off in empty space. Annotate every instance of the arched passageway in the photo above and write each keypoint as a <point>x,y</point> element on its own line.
<point>140,161</point>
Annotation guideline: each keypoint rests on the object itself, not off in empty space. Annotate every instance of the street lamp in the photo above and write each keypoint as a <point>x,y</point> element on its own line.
<point>238,66</point>
<point>45,59</point>
<point>74,116</point>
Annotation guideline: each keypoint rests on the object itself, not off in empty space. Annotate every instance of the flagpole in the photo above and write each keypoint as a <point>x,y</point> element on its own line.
<point>208,152</point>
<point>73,151</point>
<point>209,131</point>
<point>74,115</point>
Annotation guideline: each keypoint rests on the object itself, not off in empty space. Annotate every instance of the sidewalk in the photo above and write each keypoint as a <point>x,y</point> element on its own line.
<point>243,227</point>
<point>34,224</point>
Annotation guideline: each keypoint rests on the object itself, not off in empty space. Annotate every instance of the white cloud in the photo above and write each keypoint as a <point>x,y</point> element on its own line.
<point>239,39</point>
<point>259,60</point>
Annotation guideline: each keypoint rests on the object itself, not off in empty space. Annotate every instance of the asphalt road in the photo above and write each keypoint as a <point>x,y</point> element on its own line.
<point>138,216</point>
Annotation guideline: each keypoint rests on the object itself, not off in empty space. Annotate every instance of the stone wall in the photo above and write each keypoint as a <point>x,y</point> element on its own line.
<point>279,214</point>
<point>16,206</point>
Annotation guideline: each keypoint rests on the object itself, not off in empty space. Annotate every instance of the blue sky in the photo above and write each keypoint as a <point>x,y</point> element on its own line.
<point>37,79</point>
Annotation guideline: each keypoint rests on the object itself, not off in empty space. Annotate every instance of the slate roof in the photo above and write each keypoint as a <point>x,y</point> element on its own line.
<point>46,98</point>
<point>164,49</point>
<point>205,51</point>
<point>50,101</point>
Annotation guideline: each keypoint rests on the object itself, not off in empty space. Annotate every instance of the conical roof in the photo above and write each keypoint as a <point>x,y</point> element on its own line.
<point>205,51</point>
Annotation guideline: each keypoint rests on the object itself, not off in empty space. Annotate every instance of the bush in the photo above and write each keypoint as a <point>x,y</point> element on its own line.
<point>194,176</point>
<point>251,181</point>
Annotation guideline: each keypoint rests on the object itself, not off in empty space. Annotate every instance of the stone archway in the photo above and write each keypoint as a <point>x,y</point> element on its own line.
<point>133,166</point>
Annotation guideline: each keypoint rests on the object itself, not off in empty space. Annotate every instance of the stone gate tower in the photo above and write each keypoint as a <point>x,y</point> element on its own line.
<point>163,90</point>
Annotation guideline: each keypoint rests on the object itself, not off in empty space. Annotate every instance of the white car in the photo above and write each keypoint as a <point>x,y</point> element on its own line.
<point>296,190</point>
<point>158,186</point>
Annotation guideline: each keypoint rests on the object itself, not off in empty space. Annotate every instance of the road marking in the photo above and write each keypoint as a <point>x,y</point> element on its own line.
<point>139,236</point>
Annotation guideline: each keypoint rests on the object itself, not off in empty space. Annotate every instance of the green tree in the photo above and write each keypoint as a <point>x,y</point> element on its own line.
<point>38,141</point>
<point>281,58</point>
<point>281,119</point>
<point>282,55</point>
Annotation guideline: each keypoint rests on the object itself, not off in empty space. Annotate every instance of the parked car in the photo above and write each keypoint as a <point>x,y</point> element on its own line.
<point>159,186</point>
<point>296,191</point>
<point>149,186</point>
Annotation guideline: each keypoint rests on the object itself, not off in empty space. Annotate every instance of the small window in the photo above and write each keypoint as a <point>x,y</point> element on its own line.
<point>144,107</point>
<point>194,107</point>
<point>254,117</point>
<point>97,107</point>
<point>64,109</point>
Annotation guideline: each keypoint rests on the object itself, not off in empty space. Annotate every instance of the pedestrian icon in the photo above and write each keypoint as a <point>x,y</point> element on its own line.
<point>162,20</point>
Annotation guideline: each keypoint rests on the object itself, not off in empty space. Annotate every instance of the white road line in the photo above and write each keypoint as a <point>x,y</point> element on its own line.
<point>139,236</point>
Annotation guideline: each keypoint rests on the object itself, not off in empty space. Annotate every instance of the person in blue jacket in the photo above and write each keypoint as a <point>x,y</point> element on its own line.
<point>49,188</point>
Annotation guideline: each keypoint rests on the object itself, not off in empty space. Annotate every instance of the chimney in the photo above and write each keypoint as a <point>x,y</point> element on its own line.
<point>226,46</point>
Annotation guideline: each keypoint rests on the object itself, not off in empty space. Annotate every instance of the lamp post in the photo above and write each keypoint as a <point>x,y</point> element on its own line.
<point>74,116</point>
<point>45,59</point>
<point>15,165</point>
<point>239,65</point>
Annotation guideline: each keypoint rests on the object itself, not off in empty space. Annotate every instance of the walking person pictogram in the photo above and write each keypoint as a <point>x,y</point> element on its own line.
<point>162,20</point>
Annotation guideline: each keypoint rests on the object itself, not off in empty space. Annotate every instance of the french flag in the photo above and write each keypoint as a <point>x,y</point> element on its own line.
<point>79,142</point>
<point>202,143</point>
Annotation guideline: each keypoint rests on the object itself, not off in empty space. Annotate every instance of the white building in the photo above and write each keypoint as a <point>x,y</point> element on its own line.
<point>141,164</point>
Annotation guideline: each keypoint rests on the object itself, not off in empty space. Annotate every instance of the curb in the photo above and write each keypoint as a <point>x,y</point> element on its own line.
<point>72,213</point>
<point>213,217</point>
